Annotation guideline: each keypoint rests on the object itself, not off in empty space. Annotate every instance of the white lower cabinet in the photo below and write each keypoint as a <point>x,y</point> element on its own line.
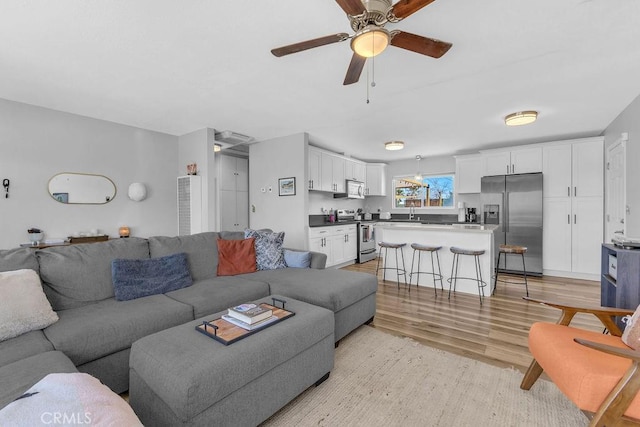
<point>339,243</point>
<point>572,233</point>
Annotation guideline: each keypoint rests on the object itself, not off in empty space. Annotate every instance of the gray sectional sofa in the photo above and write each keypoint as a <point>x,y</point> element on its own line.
<point>95,332</point>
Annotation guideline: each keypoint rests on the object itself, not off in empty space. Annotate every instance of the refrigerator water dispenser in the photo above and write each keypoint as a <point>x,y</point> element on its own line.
<point>492,214</point>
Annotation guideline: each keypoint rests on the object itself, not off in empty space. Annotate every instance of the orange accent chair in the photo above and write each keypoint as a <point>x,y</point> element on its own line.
<point>597,372</point>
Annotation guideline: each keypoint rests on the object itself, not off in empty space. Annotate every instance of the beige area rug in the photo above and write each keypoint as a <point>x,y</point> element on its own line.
<point>384,380</point>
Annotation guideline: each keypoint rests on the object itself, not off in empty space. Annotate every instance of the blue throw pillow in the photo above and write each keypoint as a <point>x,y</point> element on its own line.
<point>136,278</point>
<point>269,253</point>
<point>297,259</point>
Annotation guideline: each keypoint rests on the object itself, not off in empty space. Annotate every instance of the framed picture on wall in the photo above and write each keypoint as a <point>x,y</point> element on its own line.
<point>61,197</point>
<point>287,186</point>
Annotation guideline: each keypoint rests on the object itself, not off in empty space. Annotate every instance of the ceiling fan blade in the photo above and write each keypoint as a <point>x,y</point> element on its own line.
<point>355,69</point>
<point>309,44</point>
<point>430,47</point>
<point>404,8</point>
<point>352,7</point>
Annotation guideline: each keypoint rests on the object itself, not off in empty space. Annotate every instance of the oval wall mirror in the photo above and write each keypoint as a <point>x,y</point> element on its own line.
<point>81,188</point>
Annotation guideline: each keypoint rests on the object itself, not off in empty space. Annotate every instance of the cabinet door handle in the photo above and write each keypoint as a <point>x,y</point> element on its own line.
<point>575,218</point>
<point>507,169</point>
<point>513,168</point>
<point>568,191</point>
<point>568,219</point>
<point>575,191</point>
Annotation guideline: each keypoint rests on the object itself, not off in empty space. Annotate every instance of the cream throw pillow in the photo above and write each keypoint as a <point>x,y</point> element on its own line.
<point>631,334</point>
<point>23,305</point>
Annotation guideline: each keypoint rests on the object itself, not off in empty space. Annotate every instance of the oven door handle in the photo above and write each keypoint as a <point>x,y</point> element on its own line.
<point>368,251</point>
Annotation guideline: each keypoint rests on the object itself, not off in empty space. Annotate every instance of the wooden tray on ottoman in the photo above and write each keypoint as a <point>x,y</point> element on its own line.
<point>228,333</point>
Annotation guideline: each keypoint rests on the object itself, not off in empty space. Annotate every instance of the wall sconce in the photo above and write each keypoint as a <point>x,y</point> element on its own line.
<point>137,192</point>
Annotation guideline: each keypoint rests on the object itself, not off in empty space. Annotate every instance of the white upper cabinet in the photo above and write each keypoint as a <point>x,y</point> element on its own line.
<point>588,169</point>
<point>556,170</point>
<point>355,170</point>
<point>315,165</point>
<point>375,184</point>
<point>512,161</point>
<point>468,173</point>
<point>234,173</point>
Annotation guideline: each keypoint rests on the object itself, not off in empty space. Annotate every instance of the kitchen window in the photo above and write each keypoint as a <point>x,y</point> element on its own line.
<point>431,192</point>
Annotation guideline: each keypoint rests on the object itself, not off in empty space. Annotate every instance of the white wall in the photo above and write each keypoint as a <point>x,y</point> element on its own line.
<point>319,200</point>
<point>629,121</point>
<point>37,143</point>
<point>268,161</point>
<point>197,147</point>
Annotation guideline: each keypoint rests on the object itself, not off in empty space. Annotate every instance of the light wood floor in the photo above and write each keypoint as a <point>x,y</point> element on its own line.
<point>495,333</point>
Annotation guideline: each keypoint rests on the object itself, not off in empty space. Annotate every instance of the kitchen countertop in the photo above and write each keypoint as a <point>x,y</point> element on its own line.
<point>463,227</point>
<point>400,222</point>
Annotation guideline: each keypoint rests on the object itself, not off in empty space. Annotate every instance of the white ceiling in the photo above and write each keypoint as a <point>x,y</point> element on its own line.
<point>178,66</point>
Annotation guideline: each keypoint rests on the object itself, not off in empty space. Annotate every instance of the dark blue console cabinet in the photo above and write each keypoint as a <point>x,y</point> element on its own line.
<point>620,278</point>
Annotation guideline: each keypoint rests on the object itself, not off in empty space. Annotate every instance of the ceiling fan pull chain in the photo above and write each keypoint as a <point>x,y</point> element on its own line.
<point>367,84</point>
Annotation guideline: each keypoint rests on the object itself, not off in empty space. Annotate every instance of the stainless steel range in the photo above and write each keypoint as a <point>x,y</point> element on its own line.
<point>366,239</point>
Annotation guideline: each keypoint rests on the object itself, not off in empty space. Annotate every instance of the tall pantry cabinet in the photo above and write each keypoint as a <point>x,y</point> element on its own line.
<point>573,209</point>
<point>234,193</point>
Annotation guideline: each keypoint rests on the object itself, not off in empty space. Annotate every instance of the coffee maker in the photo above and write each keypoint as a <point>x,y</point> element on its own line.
<point>471,215</point>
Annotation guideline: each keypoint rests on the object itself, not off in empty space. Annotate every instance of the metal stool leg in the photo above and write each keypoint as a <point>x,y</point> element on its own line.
<point>454,278</point>
<point>398,270</point>
<point>433,275</point>
<point>479,277</point>
<point>384,269</point>
<point>524,270</point>
<point>495,282</point>
<point>404,267</point>
<point>439,272</point>
<point>413,257</point>
<point>419,263</point>
<point>378,262</point>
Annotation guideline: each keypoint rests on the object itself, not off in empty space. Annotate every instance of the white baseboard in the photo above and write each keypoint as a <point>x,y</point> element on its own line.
<point>572,275</point>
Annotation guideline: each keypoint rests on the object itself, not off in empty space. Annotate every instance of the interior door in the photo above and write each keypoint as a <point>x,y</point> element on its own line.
<point>615,205</point>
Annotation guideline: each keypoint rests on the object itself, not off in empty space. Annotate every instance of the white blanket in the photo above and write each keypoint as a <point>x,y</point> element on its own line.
<point>69,400</point>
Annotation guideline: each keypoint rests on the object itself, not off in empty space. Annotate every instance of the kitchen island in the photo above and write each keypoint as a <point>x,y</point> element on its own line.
<point>467,236</point>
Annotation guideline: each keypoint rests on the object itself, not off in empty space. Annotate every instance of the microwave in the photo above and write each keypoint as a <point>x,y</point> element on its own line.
<point>355,189</point>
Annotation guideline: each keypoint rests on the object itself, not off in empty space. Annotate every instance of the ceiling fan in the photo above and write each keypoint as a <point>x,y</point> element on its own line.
<point>368,18</point>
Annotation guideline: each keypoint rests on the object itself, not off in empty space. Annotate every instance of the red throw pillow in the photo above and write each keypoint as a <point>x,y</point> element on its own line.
<point>236,256</point>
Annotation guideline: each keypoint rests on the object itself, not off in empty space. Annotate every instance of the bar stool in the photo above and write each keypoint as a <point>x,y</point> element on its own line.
<point>512,250</point>
<point>456,261</point>
<point>436,276</point>
<point>399,271</point>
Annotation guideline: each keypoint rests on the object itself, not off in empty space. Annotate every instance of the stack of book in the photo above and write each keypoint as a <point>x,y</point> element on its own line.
<point>249,316</point>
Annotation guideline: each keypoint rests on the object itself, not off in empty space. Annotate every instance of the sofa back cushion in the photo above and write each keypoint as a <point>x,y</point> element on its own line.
<point>18,259</point>
<point>201,250</point>
<point>77,275</point>
<point>137,278</point>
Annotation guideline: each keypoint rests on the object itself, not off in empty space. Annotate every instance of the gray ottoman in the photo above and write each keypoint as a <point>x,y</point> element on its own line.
<point>182,377</point>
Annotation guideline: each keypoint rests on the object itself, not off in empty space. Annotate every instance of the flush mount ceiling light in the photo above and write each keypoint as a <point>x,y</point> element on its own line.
<point>521,118</point>
<point>370,41</point>
<point>394,145</point>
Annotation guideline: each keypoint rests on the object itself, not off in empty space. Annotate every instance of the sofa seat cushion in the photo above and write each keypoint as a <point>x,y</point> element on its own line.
<point>583,374</point>
<point>23,346</point>
<point>17,259</point>
<point>331,289</point>
<point>77,275</point>
<point>201,250</point>
<point>19,376</point>
<point>97,330</point>
<point>217,294</point>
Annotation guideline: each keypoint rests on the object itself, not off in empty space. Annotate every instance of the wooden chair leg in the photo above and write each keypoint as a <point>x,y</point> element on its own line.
<point>532,375</point>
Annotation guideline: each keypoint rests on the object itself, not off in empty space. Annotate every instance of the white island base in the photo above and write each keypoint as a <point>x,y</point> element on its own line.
<point>476,237</point>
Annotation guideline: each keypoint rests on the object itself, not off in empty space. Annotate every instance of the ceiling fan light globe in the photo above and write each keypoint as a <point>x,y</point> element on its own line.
<point>370,41</point>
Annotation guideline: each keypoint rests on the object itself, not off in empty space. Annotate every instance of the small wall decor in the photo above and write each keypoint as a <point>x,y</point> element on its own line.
<point>287,186</point>
<point>192,169</point>
<point>124,231</point>
<point>137,191</point>
<point>61,197</point>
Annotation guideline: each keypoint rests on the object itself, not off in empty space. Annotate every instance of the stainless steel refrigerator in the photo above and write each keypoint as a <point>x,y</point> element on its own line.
<point>514,202</point>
